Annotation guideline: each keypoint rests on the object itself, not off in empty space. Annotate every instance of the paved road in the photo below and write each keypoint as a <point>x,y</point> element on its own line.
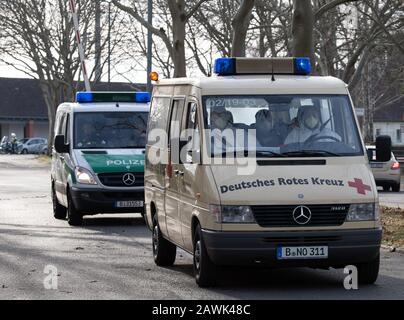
<point>392,199</point>
<point>110,256</point>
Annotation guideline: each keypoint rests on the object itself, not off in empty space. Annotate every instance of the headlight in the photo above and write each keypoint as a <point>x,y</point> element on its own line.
<point>232,214</point>
<point>84,176</point>
<point>363,212</point>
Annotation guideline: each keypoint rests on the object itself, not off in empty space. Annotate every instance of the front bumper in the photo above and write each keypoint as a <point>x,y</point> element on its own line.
<point>94,201</point>
<point>259,248</point>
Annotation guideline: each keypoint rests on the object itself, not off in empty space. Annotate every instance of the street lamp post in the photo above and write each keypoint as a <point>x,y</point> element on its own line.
<point>149,44</point>
<point>109,44</point>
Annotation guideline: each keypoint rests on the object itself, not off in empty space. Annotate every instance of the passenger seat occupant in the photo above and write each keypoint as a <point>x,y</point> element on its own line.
<point>310,127</point>
<point>266,134</point>
<point>221,119</point>
<point>224,135</point>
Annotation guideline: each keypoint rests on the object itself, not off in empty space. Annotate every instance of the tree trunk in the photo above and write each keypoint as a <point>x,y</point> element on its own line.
<point>240,24</point>
<point>302,29</point>
<point>177,10</point>
<point>179,49</point>
<point>97,41</point>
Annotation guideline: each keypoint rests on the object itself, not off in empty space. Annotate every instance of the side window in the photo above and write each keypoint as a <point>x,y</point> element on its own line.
<point>158,115</point>
<point>192,130</point>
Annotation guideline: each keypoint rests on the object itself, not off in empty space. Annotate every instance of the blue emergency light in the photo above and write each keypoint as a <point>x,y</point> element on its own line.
<point>234,66</point>
<point>131,97</point>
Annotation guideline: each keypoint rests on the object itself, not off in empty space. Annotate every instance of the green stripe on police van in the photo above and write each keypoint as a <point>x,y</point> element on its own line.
<point>115,163</point>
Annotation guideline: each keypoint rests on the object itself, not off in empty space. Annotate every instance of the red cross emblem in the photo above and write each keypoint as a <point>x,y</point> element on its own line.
<point>359,185</point>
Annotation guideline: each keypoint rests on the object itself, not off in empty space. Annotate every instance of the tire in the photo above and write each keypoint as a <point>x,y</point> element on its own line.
<point>368,272</point>
<point>386,188</point>
<point>59,211</point>
<point>204,269</point>
<point>164,252</point>
<point>74,218</point>
<point>24,151</point>
<point>396,187</point>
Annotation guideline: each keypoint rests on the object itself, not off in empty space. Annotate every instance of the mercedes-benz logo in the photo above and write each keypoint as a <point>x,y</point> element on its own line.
<point>301,215</point>
<point>129,179</point>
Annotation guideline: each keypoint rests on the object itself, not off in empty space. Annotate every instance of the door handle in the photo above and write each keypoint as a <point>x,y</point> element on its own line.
<point>178,173</point>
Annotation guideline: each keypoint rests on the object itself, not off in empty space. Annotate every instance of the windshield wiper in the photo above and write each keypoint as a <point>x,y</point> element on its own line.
<point>268,153</point>
<point>312,153</point>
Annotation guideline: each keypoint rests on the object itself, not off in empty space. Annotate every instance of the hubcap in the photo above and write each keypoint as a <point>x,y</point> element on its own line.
<point>197,255</point>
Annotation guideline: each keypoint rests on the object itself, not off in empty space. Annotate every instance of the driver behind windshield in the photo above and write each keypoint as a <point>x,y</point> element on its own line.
<point>310,127</point>
<point>89,137</point>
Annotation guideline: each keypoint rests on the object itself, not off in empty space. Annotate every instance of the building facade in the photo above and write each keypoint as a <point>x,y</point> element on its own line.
<point>23,110</point>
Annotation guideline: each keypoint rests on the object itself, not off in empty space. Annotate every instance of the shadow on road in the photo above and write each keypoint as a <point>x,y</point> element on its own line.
<point>112,221</point>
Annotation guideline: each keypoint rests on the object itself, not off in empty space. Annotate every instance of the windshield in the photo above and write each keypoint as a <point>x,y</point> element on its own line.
<point>282,125</point>
<point>23,141</point>
<point>110,130</point>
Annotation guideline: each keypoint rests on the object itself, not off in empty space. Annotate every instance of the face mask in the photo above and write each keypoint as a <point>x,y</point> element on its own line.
<point>311,122</point>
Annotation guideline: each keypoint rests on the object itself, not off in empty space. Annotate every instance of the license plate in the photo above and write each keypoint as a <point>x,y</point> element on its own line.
<point>129,204</point>
<point>376,165</point>
<point>317,252</point>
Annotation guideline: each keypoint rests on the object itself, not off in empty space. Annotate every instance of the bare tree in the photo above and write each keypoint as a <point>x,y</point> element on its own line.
<point>240,23</point>
<point>180,15</point>
<point>38,40</point>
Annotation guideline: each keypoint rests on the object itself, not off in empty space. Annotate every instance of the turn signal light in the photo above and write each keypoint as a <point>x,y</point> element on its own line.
<point>154,76</point>
<point>395,166</point>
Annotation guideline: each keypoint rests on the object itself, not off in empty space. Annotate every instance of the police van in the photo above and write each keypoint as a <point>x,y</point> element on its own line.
<point>260,165</point>
<point>98,155</point>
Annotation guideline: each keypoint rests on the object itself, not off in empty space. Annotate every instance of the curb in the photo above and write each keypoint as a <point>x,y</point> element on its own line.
<point>393,249</point>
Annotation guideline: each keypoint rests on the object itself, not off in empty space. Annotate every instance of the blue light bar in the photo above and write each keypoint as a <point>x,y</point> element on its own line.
<point>302,66</point>
<point>142,97</point>
<point>131,97</point>
<point>225,66</point>
<point>84,97</point>
<point>287,65</point>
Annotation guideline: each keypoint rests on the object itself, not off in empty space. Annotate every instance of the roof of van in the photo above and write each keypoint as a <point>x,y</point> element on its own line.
<point>262,84</point>
<point>106,107</point>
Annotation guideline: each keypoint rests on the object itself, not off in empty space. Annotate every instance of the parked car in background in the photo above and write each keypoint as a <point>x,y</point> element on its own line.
<point>5,144</point>
<point>32,145</point>
<point>387,174</point>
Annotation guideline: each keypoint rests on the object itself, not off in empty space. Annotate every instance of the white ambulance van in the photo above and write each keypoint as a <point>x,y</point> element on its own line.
<point>98,155</point>
<point>261,164</point>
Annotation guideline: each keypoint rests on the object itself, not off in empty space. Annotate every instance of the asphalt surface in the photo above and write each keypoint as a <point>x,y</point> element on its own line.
<point>392,199</point>
<point>110,256</point>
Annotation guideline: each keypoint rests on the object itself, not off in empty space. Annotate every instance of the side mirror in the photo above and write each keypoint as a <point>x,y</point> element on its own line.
<point>383,148</point>
<point>60,145</point>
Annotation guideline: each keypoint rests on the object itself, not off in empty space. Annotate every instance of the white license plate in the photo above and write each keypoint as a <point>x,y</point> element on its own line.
<point>129,204</point>
<point>315,252</point>
<point>376,165</point>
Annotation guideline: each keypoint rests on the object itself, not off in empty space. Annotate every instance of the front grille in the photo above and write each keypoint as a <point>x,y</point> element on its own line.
<point>282,216</point>
<point>116,179</point>
<point>303,240</point>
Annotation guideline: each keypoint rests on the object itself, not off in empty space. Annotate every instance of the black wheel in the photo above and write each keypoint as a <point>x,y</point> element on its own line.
<point>59,211</point>
<point>386,188</point>
<point>74,218</point>
<point>396,187</point>
<point>24,151</point>
<point>368,272</point>
<point>164,252</point>
<point>204,269</point>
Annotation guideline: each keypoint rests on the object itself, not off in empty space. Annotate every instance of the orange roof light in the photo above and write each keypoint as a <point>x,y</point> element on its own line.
<point>154,76</point>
